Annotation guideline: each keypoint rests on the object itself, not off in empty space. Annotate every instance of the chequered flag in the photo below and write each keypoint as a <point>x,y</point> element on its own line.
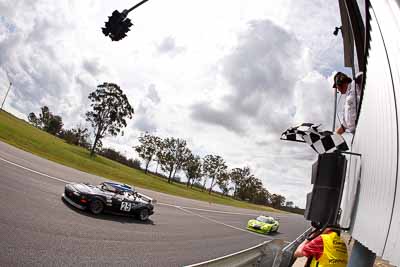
<point>321,141</point>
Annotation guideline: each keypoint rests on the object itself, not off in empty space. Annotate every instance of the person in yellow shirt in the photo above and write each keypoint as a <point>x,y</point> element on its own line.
<point>325,250</point>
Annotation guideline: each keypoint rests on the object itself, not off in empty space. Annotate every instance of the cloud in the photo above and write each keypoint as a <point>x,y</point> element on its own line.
<point>92,66</point>
<point>152,94</point>
<point>169,46</point>
<point>204,113</point>
<point>145,123</point>
<point>230,85</point>
<point>145,119</point>
<point>44,68</point>
<point>261,72</point>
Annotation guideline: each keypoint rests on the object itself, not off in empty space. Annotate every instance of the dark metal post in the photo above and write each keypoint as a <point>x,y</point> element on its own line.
<point>361,256</point>
<point>334,112</point>
<point>4,100</point>
<point>135,6</point>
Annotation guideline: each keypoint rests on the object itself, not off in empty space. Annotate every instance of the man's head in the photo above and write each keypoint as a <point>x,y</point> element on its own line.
<point>341,82</point>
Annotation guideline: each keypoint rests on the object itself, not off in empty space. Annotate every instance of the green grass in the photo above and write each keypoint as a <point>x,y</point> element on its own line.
<point>20,134</point>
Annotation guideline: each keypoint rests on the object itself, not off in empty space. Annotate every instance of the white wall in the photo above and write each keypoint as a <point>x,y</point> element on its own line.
<point>377,213</point>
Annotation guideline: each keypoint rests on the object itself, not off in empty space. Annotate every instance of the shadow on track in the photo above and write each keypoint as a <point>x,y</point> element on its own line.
<point>109,216</point>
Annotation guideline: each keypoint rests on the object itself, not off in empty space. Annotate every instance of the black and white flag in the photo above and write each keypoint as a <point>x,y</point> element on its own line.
<point>321,141</point>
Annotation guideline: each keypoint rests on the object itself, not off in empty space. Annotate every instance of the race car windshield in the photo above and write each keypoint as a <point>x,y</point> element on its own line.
<point>265,219</point>
<point>107,187</point>
<point>117,188</point>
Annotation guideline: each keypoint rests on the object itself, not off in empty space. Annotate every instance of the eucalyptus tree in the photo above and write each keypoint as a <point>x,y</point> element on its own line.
<point>174,153</point>
<point>193,169</point>
<point>45,117</point>
<point>261,196</point>
<point>223,180</point>
<point>182,155</point>
<point>110,108</point>
<point>35,121</point>
<point>214,166</point>
<point>277,200</point>
<point>167,156</point>
<point>47,121</point>
<point>238,177</point>
<point>148,148</point>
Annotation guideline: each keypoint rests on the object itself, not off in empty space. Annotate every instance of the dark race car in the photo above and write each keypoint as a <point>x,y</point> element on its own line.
<point>109,197</point>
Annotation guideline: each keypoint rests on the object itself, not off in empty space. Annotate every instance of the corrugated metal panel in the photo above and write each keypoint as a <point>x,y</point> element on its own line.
<point>376,140</point>
<point>388,14</point>
<point>348,204</point>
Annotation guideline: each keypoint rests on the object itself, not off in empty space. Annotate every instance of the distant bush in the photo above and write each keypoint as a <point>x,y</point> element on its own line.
<point>136,163</point>
<point>177,179</point>
<point>46,121</point>
<point>118,157</point>
<point>78,137</point>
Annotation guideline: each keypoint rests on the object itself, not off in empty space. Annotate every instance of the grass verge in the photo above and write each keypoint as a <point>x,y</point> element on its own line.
<point>20,134</point>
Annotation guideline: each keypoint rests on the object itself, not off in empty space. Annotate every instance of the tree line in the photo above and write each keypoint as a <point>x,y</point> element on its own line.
<point>172,155</point>
<point>109,110</point>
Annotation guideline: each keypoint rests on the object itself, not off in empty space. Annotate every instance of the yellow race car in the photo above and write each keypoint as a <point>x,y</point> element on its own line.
<point>263,225</point>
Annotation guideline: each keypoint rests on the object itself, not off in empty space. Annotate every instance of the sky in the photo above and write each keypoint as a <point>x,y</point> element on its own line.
<point>228,76</point>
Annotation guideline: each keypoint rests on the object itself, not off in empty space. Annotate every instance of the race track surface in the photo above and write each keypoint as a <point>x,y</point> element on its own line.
<point>38,229</point>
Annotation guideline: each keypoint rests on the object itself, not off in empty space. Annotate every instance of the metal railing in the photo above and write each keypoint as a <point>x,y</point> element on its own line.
<point>272,253</point>
<point>284,258</point>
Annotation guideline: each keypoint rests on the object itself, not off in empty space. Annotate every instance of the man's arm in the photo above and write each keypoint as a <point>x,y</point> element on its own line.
<point>299,251</point>
<point>313,248</point>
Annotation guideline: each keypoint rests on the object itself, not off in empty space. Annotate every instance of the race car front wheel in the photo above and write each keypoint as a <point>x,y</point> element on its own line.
<point>143,214</point>
<point>96,206</point>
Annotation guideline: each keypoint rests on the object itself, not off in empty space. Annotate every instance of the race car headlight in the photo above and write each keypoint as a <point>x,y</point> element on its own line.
<point>76,193</point>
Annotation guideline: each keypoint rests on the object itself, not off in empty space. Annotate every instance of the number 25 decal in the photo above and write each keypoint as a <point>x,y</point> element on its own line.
<point>126,206</point>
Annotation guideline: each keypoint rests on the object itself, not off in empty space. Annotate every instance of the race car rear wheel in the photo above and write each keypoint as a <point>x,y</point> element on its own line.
<point>144,214</point>
<point>96,206</point>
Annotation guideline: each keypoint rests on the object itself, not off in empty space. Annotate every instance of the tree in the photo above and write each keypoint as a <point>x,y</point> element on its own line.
<point>148,148</point>
<point>135,163</point>
<point>33,119</point>
<point>54,124</point>
<point>82,136</point>
<point>110,108</point>
<point>262,197</point>
<point>238,177</point>
<point>192,168</point>
<point>214,166</point>
<point>289,204</point>
<point>167,156</point>
<point>45,117</point>
<point>159,153</point>
<point>47,121</point>
<point>223,181</point>
<point>173,155</point>
<point>182,155</point>
<point>277,201</point>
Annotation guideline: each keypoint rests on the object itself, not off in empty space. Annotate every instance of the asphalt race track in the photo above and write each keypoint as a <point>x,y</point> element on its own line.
<point>38,229</point>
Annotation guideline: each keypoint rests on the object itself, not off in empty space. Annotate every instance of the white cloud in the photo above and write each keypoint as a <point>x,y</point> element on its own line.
<point>237,74</point>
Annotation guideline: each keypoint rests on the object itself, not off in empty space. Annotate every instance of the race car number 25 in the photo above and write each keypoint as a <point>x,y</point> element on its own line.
<point>126,206</point>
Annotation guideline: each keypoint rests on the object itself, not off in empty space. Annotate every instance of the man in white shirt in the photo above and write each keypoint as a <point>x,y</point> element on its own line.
<point>342,84</point>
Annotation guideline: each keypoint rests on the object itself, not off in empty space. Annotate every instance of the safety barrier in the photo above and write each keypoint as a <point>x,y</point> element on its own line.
<point>284,257</point>
<point>272,253</point>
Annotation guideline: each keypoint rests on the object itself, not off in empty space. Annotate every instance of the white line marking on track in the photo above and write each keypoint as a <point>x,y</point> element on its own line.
<point>40,173</point>
<point>218,222</point>
<point>207,210</point>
